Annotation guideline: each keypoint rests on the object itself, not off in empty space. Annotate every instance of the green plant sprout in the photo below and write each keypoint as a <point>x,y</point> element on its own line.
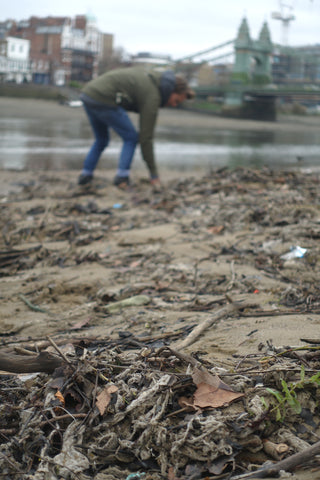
<point>287,398</point>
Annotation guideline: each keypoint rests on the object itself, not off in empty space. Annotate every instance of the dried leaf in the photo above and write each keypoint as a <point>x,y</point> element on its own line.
<point>203,376</point>
<point>216,230</point>
<point>79,325</point>
<point>209,396</point>
<point>60,397</point>
<point>211,391</point>
<point>103,399</point>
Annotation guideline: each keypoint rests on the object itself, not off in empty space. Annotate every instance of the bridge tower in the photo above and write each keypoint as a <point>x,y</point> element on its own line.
<point>251,69</point>
<point>248,50</point>
<point>243,49</point>
<point>263,47</point>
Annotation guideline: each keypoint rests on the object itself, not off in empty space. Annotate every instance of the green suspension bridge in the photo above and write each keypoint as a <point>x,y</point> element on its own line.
<point>251,91</point>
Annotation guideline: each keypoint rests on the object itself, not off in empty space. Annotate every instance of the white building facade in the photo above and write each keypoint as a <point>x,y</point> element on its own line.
<point>87,39</point>
<point>14,60</point>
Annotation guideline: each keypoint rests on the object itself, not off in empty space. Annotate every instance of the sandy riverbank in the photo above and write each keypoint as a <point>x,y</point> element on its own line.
<point>189,224</point>
<point>23,191</point>
<point>200,244</point>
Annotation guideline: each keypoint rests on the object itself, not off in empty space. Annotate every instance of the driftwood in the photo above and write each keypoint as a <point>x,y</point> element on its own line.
<point>288,464</point>
<point>44,362</point>
<point>199,329</point>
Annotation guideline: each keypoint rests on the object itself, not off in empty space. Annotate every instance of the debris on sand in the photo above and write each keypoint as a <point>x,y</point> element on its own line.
<point>172,338</point>
<point>112,411</point>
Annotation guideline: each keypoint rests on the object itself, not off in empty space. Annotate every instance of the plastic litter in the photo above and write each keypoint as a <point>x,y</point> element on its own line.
<point>295,252</point>
<point>135,476</point>
<point>135,301</point>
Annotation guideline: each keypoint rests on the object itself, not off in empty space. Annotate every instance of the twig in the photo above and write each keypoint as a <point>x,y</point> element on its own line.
<point>40,343</point>
<point>7,459</point>
<point>24,351</point>
<point>182,356</point>
<point>55,346</point>
<point>311,340</point>
<point>33,307</point>
<point>63,417</point>
<point>287,464</point>
<point>231,283</point>
<point>199,329</point>
<point>94,396</point>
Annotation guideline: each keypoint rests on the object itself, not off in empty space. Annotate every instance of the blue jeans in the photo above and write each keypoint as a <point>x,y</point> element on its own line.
<point>101,118</point>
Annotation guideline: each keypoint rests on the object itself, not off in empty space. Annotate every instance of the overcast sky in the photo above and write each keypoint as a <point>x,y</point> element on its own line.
<point>179,27</point>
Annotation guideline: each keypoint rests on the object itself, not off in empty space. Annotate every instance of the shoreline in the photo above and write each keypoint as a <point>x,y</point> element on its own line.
<point>182,121</point>
<point>18,108</point>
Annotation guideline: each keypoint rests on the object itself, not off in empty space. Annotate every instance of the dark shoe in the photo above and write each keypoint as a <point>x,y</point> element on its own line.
<point>84,179</point>
<point>121,181</point>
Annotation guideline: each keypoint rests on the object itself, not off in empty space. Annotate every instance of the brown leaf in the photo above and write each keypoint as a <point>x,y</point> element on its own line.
<point>211,391</point>
<point>209,396</point>
<point>60,397</point>
<point>103,399</point>
<point>216,229</point>
<point>203,376</point>
<point>79,325</point>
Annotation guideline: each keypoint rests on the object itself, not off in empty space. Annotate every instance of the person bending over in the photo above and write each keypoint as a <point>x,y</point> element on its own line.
<point>106,101</point>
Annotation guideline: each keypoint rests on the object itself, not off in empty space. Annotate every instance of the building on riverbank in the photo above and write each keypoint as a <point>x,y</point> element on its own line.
<point>62,49</point>
<point>296,65</point>
<point>14,60</point>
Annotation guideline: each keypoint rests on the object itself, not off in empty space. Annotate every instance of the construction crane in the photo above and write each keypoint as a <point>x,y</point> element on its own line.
<point>285,16</point>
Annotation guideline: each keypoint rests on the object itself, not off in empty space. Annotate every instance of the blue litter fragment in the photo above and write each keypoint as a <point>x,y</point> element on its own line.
<point>117,205</point>
<point>135,476</point>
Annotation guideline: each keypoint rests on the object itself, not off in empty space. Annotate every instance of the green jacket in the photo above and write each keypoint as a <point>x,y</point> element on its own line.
<point>136,89</point>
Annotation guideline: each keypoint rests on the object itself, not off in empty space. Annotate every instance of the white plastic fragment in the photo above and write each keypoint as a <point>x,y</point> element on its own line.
<point>295,252</point>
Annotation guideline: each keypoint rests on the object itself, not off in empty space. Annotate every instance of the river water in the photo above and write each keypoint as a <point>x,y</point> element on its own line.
<point>45,136</point>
